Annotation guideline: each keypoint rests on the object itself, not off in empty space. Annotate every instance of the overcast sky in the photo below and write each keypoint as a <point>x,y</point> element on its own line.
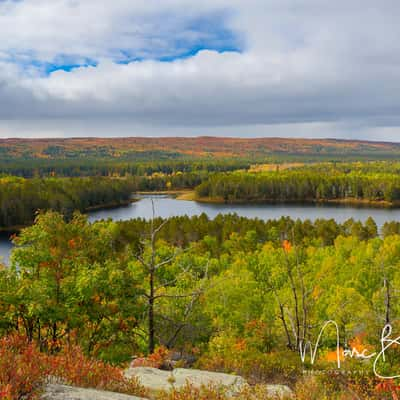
<point>297,68</point>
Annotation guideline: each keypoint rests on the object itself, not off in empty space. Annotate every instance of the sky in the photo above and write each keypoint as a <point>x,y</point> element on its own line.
<point>248,68</point>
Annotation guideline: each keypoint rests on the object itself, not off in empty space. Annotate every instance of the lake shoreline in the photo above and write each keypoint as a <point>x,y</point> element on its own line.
<point>359,203</point>
<point>344,202</point>
<point>115,204</point>
<point>108,206</point>
<point>183,194</point>
<point>168,206</point>
<point>190,195</point>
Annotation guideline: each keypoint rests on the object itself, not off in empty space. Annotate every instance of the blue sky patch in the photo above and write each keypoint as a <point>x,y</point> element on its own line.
<point>169,39</point>
<point>203,33</point>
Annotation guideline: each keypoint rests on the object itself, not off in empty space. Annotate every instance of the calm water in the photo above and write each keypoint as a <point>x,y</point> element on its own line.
<point>167,207</point>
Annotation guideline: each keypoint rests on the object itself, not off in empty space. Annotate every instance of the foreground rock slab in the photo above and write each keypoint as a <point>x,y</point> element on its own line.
<point>62,392</point>
<point>155,380</point>
<point>198,378</point>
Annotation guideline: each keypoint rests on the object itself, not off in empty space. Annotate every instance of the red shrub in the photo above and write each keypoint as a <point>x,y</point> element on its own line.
<point>155,360</point>
<point>24,369</point>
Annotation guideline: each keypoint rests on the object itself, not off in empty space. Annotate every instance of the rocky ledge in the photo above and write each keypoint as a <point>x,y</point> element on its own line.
<point>155,381</point>
<point>62,392</point>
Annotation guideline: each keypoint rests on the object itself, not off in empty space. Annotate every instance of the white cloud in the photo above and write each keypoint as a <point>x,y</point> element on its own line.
<point>319,64</point>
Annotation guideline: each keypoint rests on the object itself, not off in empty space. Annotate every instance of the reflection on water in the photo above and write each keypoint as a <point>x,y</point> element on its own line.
<point>5,248</point>
<point>166,206</point>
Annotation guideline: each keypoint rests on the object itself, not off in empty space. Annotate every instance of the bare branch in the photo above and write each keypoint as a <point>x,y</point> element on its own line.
<point>177,296</point>
<point>166,261</point>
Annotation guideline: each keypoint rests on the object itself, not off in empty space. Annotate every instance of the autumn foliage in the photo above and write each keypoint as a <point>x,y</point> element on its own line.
<point>154,360</point>
<point>24,370</point>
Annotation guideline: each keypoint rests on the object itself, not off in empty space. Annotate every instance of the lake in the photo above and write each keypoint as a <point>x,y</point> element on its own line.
<point>166,206</point>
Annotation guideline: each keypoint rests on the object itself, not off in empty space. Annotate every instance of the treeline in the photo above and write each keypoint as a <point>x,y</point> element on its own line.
<point>162,182</point>
<point>182,230</point>
<point>21,198</point>
<point>307,184</point>
<point>114,167</point>
<point>366,167</point>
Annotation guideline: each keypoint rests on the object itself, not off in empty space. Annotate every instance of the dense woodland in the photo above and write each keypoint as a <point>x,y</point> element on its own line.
<point>228,294</point>
<point>232,294</point>
<point>114,167</point>
<point>302,184</point>
<point>21,198</point>
<point>169,148</point>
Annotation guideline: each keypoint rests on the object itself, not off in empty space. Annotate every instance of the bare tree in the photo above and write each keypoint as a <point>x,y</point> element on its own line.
<point>156,288</point>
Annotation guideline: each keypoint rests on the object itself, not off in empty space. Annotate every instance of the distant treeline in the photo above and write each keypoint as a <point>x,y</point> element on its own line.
<point>308,184</point>
<point>21,198</point>
<point>109,167</point>
<point>365,167</point>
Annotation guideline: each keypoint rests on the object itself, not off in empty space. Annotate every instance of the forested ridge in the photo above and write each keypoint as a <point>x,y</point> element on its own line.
<point>131,156</point>
<point>193,147</point>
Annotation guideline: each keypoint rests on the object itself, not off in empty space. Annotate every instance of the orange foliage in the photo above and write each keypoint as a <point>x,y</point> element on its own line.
<point>389,387</point>
<point>24,369</point>
<point>287,246</point>
<point>240,345</point>
<point>155,360</point>
<point>358,343</point>
<point>331,356</point>
<point>195,146</point>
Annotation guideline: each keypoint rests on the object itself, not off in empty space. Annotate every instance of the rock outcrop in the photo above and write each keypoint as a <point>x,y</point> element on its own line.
<point>62,392</point>
<point>155,380</point>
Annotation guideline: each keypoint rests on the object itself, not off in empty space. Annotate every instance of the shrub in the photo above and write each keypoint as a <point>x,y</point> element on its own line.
<point>24,370</point>
<point>156,360</point>
<point>74,368</point>
<point>239,356</point>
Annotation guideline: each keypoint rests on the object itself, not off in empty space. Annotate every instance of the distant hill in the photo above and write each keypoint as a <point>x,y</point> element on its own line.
<point>196,147</point>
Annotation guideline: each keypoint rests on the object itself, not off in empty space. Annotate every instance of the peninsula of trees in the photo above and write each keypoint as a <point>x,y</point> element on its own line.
<point>302,185</point>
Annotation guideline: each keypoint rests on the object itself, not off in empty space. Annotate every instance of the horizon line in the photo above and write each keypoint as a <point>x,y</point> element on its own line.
<point>327,139</point>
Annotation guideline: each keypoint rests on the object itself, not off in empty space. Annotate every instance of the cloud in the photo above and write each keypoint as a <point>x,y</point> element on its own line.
<point>252,66</point>
<point>72,30</point>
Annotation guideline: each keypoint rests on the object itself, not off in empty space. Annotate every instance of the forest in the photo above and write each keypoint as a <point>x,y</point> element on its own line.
<point>313,183</point>
<point>138,156</point>
<point>192,148</point>
<point>21,198</point>
<point>114,167</point>
<point>230,294</point>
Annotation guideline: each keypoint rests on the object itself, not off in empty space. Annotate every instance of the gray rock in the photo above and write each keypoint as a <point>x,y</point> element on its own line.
<point>62,392</point>
<point>156,380</point>
<point>279,391</point>
<point>204,378</point>
<point>152,379</point>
